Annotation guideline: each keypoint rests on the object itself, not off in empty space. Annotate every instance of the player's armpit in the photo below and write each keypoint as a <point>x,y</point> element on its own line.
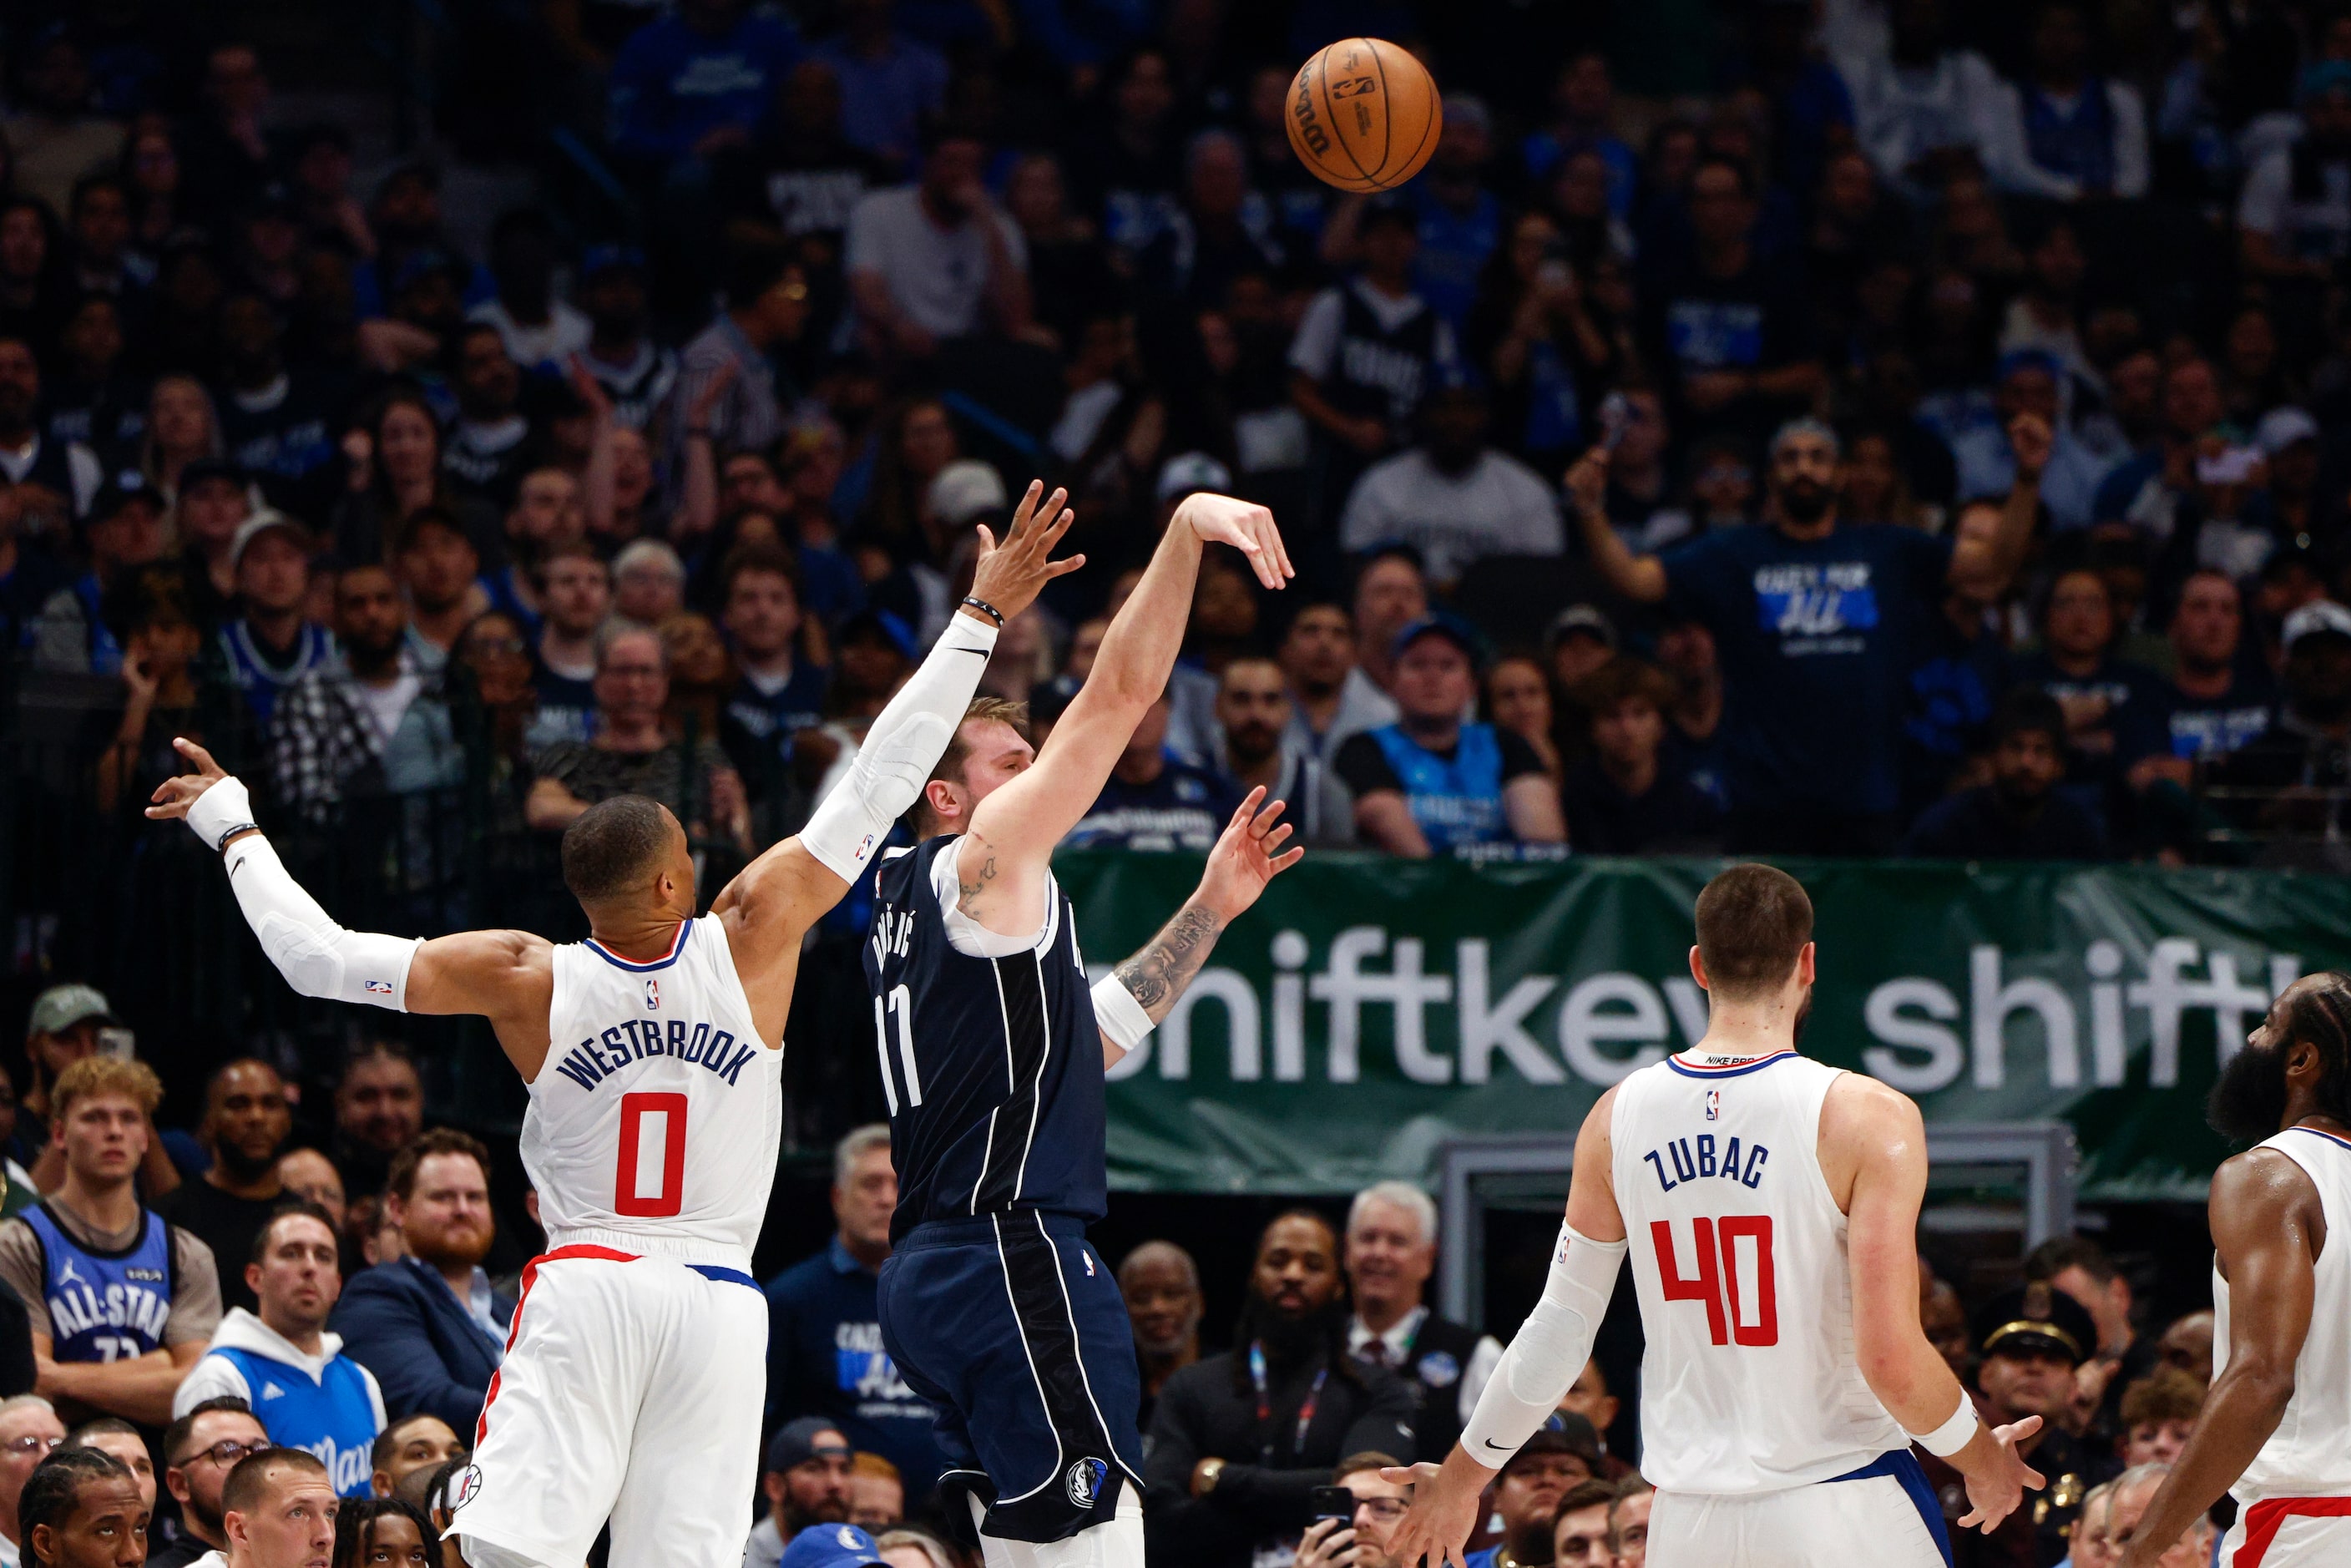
<point>506,977</point>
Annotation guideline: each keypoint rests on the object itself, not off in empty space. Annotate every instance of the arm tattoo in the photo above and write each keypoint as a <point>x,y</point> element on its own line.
<point>1158,975</point>
<point>968,891</point>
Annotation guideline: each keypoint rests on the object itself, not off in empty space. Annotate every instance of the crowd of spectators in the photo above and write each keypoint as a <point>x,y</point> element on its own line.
<point>1715,467</point>
<point>1895,428</point>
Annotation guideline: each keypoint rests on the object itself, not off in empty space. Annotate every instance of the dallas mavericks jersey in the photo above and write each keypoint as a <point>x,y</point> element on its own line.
<point>992,1067</point>
<point>654,1126</point>
<point>2309,1454</point>
<point>333,1420</point>
<point>104,1306</point>
<point>1749,1383</point>
<point>1457,801</point>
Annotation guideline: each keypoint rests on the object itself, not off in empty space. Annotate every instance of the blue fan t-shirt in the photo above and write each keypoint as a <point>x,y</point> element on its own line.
<point>1816,639</point>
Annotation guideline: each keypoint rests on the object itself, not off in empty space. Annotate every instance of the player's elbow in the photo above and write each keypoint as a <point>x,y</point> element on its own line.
<point>2263,1380</point>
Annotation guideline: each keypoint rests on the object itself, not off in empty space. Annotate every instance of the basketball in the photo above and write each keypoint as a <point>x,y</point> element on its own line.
<point>1363,115</point>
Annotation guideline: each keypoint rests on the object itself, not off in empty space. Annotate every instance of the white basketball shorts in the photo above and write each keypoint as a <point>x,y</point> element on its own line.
<point>2290,1532</point>
<point>1873,1516</point>
<point>631,1391</point>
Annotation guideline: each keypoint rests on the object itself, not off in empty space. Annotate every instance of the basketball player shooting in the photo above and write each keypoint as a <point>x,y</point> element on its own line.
<point>1770,1206</point>
<point>992,1051</point>
<point>2275,1433</point>
<point>653,1052</point>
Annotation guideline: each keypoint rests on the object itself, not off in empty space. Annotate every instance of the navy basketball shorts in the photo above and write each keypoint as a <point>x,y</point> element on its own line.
<point>1011,1325</point>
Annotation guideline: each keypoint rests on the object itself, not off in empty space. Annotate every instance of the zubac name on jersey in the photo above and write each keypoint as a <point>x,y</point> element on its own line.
<point>595,1058</point>
<point>1704,1158</point>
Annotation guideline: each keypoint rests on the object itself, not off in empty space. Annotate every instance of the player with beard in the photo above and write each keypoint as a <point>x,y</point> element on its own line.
<point>1770,1206</point>
<point>2275,1432</point>
<point>245,1125</point>
<point>1240,1441</point>
<point>1817,621</point>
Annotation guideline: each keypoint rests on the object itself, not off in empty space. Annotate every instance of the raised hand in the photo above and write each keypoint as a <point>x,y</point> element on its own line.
<point>1247,855</point>
<point>1587,481</point>
<point>1995,1493</point>
<point>1245,526</point>
<point>1010,574</point>
<point>1443,1511</point>
<point>2030,436</point>
<point>174,796</point>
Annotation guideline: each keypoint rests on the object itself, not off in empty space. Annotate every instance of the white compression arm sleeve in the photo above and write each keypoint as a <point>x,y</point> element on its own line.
<point>1547,1352</point>
<point>1119,1015</point>
<point>317,958</point>
<point>906,743</point>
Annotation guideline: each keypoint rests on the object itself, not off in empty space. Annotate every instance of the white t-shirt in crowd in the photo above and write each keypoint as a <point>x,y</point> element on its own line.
<point>1498,506</point>
<point>937,277</point>
<point>2316,230</point>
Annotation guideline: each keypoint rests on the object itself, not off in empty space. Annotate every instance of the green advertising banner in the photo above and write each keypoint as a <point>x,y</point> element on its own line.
<point>1368,1010</point>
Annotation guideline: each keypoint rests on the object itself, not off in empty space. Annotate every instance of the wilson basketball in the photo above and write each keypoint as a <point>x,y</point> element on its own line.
<point>1363,115</point>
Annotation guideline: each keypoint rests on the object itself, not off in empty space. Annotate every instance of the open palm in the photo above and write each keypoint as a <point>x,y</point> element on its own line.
<point>1247,855</point>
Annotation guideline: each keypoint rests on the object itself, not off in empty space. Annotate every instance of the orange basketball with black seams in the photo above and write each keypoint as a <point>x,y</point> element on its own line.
<point>1363,115</point>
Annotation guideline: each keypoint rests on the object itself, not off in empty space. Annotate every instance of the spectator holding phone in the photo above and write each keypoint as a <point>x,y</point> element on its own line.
<point>1357,1538</point>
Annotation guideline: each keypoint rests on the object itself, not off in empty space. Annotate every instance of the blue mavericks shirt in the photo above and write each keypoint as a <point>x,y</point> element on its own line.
<point>104,1306</point>
<point>1186,808</point>
<point>331,1419</point>
<point>825,1357</point>
<point>992,1067</point>
<point>1456,800</point>
<point>1816,641</point>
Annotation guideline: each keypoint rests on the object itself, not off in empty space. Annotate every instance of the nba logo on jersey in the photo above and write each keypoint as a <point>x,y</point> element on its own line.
<point>1084,1481</point>
<point>1713,1099</point>
<point>652,993</point>
<point>381,987</point>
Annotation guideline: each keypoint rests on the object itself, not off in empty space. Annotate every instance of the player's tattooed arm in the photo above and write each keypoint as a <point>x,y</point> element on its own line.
<point>1167,964</point>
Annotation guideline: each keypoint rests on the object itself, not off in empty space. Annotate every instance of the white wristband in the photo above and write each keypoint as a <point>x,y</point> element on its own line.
<point>1954,1434</point>
<point>1119,1017</point>
<point>225,809</point>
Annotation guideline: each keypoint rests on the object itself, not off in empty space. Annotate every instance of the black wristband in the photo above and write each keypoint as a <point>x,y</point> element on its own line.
<point>984,608</point>
<point>241,828</point>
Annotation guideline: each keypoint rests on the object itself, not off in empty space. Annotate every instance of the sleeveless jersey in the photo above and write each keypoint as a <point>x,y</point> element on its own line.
<point>2309,1454</point>
<point>992,1067</point>
<point>1457,801</point>
<point>1749,1383</point>
<point>104,1306</point>
<point>333,1419</point>
<point>654,1126</point>
<point>1381,372</point>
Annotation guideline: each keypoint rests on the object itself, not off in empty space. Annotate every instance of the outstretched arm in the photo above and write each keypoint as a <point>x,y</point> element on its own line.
<point>1992,562</point>
<point>2267,1228</point>
<point>1640,577</point>
<point>1000,864</point>
<point>508,977</point>
<point>770,906</point>
<point>1139,994</point>
<point>1874,1135</point>
<point>1538,1369</point>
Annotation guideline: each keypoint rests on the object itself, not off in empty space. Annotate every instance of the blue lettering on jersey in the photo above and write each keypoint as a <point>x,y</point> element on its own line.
<point>1695,1159</point>
<point>598,1058</point>
<point>1809,605</point>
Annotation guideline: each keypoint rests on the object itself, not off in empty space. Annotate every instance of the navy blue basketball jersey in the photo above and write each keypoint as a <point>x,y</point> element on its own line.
<point>992,1067</point>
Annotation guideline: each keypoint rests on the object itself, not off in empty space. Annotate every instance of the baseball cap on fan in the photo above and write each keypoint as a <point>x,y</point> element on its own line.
<point>2319,617</point>
<point>61,1006</point>
<point>831,1546</point>
<point>966,491</point>
<point>798,1442</point>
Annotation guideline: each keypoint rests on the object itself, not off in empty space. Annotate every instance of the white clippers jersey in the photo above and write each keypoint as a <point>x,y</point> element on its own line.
<point>2309,1454</point>
<point>654,1126</point>
<point>1750,1384</point>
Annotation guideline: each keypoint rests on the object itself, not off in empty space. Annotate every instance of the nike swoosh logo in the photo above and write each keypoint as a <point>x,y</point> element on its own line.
<point>1498,1447</point>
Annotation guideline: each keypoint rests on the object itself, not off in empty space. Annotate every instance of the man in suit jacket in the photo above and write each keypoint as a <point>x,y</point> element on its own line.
<point>428,1325</point>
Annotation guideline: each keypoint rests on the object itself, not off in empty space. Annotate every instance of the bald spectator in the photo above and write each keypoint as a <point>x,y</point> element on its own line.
<point>1161,1285</point>
<point>199,1452</point>
<point>378,1110</point>
<point>29,1432</point>
<point>280,1511</point>
<point>246,1125</point>
<point>2133,1491</point>
<point>2188,1345</point>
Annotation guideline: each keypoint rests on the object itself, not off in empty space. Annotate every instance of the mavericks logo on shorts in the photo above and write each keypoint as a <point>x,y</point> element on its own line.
<point>465,1488</point>
<point>1084,1481</point>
